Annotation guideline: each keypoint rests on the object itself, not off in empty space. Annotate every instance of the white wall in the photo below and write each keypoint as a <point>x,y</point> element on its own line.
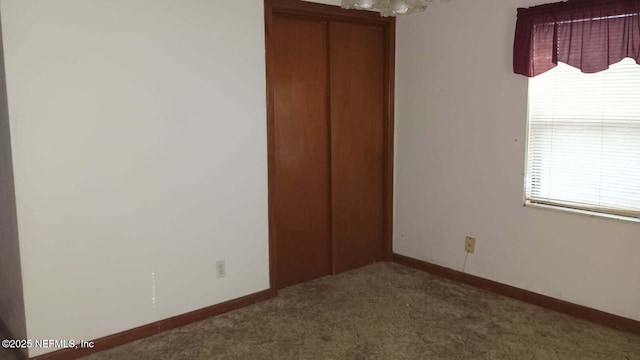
<point>139,137</point>
<point>461,123</point>
<point>11,294</point>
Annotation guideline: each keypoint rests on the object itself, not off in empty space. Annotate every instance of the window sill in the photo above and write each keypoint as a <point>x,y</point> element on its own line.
<point>582,212</point>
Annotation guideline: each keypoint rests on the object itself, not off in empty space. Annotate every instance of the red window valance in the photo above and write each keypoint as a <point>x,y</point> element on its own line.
<point>587,34</point>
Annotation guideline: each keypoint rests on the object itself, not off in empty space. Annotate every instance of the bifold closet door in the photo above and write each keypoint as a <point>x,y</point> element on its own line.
<point>301,150</point>
<point>357,93</point>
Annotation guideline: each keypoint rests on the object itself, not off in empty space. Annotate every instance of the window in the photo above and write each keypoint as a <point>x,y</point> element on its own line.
<point>582,58</point>
<point>584,139</point>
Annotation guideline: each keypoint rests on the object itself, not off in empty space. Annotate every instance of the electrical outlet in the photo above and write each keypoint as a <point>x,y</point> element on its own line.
<point>221,269</point>
<point>470,244</point>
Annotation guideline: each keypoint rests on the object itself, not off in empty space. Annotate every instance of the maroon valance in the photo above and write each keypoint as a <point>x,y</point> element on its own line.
<point>587,34</point>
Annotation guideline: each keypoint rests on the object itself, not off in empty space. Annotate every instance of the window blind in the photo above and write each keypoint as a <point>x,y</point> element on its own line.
<point>584,139</point>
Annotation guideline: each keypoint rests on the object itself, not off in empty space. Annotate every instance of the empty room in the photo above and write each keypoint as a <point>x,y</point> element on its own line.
<point>328,179</point>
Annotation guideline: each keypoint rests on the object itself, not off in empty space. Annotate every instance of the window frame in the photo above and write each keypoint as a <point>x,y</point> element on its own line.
<point>560,206</point>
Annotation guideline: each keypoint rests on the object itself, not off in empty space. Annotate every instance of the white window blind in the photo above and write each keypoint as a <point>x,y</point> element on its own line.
<point>584,139</point>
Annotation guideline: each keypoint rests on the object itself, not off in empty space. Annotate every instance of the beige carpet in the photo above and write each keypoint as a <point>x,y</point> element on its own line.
<point>386,311</point>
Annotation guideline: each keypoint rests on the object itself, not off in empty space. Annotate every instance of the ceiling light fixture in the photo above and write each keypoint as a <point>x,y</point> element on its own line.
<point>388,7</point>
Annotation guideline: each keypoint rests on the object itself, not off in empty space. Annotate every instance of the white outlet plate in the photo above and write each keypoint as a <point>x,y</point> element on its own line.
<point>221,269</point>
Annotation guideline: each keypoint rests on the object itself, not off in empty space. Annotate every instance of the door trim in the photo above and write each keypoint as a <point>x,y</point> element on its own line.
<point>304,9</point>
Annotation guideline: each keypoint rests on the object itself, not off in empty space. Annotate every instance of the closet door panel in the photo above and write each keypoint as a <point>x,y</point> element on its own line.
<point>301,184</point>
<point>357,145</point>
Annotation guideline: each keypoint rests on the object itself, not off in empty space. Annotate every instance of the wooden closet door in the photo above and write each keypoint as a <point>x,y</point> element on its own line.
<point>357,143</point>
<point>301,174</point>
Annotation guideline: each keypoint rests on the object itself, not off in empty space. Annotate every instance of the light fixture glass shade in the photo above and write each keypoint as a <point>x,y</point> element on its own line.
<point>388,7</point>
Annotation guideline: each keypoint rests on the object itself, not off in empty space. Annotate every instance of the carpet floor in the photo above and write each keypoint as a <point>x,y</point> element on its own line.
<point>385,311</point>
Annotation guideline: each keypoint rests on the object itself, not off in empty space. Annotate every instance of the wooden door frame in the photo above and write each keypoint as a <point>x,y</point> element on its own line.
<point>309,10</point>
